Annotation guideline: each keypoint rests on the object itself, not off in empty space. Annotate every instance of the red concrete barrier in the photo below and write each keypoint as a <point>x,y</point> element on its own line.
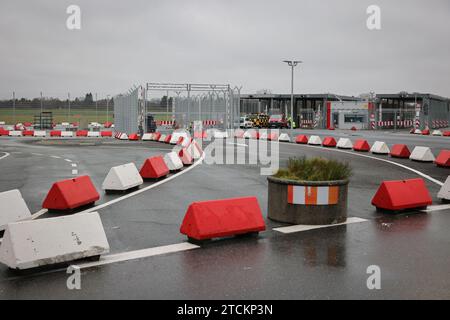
<point>222,218</point>
<point>71,194</point>
<point>4,132</point>
<point>81,133</point>
<point>156,136</point>
<point>301,139</point>
<point>443,159</point>
<point>412,131</point>
<point>361,145</point>
<point>154,168</point>
<point>108,124</point>
<point>28,133</point>
<point>239,134</point>
<point>426,132</point>
<point>180,141</point>
<point>200,135</point>
<point>27,124</point>
<point>106,133</point>
<point>168,138</point>
<point>353,129</point>
<point>185,157</point>
<point>329,142</point>
<point>331,128</point>
<point>55,133</point>
<point>255,135</point>
<point>402,194</point>
<point>446,133</point>
<point>273,136</point>
<point>133,137</point>
<point>400,151</point>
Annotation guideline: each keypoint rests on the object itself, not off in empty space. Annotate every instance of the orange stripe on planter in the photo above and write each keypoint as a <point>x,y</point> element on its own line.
<point>333,195</point>
<point>290,194</point>
<point>311,195</point>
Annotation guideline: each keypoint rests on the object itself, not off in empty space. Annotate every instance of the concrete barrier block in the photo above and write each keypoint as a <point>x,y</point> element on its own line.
<point>247,134</point>
<point>147,137</point>
<point>123,136</point>
<point>315,141</point>
<point>263,135</point>
<point>173,161</point>
<point>284,137</point>
<point>443,159</point>
<point>71,194</point>
<point>444,192</point>
<point>437,133</point>
<point>176,135</point>
<point>422,154</point>
<point>380,147</point>
<point>12,208</point>
<point>301,139</point>
<point>329,142</point>
<point>417,131</point>
<point>15,133</point>
<point>220,134</point>
<point>40,133</point>
<point>400,151</point>
<point>93,134</point>
<point>162,138</point>
<point>344,143</point>
<point>42,242</point>
<point>122,178</point>
<point>361,145</point>
<point>195,150</point>
<point>66,134</point>
<point>154,168</point>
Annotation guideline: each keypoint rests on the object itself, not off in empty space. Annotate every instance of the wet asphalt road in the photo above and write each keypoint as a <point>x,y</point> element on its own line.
<point>411,249</point>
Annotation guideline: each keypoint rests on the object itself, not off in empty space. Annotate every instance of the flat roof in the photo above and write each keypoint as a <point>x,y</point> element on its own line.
<point>410,96</point>
<point>329,96</point>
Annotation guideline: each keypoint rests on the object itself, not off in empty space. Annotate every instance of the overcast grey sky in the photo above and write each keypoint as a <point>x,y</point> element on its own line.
<point>241,42</point>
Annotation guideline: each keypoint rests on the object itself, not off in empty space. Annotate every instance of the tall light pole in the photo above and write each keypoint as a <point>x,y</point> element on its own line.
<point>14,107</point>
<point>292,64</point>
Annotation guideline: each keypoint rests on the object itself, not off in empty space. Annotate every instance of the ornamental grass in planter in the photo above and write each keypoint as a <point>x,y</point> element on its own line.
<point>309,191</point>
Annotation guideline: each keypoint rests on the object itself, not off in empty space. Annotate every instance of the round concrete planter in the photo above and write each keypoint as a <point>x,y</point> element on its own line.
<point>282,211</point>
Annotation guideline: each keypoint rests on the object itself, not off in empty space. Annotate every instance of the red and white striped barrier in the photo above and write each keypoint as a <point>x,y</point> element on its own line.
<point>161,123</point>
<point>439,123</point>
<point>400,123</point>
<point>210,122</point>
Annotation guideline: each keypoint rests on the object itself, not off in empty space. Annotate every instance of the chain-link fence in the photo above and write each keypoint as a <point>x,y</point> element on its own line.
<point>55,108</point>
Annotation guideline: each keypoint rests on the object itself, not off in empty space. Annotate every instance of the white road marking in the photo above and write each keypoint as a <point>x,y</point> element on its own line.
<point>74,165</point>
<point>4,156</point>
<point>139,254</point>
<point>436,208</point>
<point>304,227</point>
<point>375,158</point>
<point>132,194</point>
<point>68,160</point>
<point>237,144</point>
<point>74,171</point>
<point>55,157</point>
<point>37,154</point>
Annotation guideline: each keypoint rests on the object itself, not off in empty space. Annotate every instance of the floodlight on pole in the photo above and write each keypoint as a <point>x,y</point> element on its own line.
<point>292,64</point>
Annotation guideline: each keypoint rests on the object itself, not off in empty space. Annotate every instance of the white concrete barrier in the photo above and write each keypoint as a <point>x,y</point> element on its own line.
<point>176,135</point>
<point>122,178</point>
<point>162,138</point>
<point>315,141</point>
<point>12,208</point>
<point>263,135</point>
<point>36,243</point>
<point>344,143</point>
<point>437,133</point>
<point>444,193</point>
<point>2,123</point>
<point>65,124</point>
<point>380,147</point>
<point>417,131</point>
<point>247,134</point>
<point>220,134</point>
<point>147,137</point>
<point>66,134</point>
<point>40,133</point>
<point>284,137</point>
<point>173,161</point>
<point>422,154</point>
<point>93,134</point>
<point>123,136</point>
<point>15,133</point>
<point>194,150</point>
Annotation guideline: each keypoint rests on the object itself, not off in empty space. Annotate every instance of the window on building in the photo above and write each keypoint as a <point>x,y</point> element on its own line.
<point>352,118</point>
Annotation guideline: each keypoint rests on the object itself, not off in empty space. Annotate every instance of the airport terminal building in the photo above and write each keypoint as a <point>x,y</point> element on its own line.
<point>383,111</point>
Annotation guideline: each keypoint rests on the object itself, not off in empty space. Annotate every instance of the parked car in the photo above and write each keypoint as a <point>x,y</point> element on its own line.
<point>245,123</point>
<point>278,121</point>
